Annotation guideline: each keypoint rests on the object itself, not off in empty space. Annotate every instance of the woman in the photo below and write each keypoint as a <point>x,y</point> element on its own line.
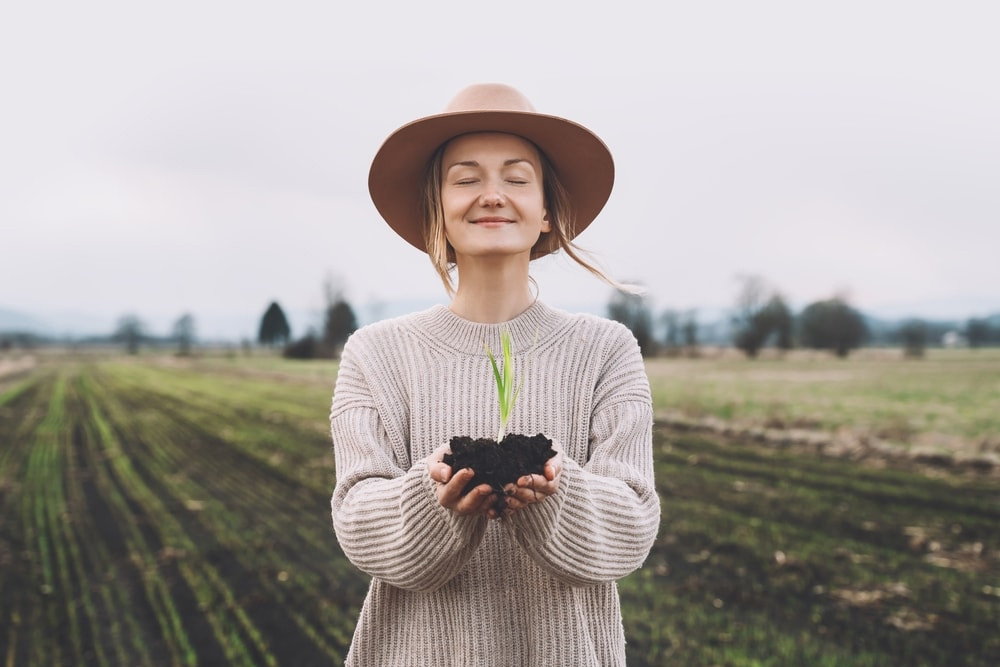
<point>484,188</point>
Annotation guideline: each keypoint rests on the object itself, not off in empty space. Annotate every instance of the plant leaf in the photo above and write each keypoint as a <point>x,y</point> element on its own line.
<point>498,378</point>
<point>496,371</point>
<point>508,374</point>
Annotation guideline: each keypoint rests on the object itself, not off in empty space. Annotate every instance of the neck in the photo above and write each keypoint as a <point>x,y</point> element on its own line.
<point>491,295</point>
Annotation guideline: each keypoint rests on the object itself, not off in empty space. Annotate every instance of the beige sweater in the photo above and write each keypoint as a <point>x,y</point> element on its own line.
<point>537,588</point>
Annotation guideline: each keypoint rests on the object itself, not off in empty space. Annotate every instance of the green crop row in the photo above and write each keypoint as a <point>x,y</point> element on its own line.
<point>145,536</point>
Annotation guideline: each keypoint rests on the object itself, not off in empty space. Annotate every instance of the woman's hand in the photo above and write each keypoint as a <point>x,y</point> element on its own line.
<point>531,489</point>
<point>448,487</point>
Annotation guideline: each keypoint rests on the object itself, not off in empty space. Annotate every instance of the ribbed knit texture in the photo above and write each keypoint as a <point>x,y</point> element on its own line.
<point>537,588</point>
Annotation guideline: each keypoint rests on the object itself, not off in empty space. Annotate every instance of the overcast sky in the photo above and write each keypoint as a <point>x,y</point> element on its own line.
<point>208,157</point>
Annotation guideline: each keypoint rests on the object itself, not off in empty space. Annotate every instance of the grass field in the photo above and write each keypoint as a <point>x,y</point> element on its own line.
<point>947,402</point>
<point>163,512</point>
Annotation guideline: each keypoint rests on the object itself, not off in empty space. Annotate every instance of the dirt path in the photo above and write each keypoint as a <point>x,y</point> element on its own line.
<point>849,445</point>
<point>15,366</point>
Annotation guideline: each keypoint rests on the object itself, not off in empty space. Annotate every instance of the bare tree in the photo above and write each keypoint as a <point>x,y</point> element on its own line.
<point>183,334</point>
<point>689,328</point>
<point>632,311</point>
<point>749,325</point>
<point>671,321</point>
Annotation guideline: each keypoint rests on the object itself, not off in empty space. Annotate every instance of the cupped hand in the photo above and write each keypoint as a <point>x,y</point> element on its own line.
<point>531,489</point>
<point>448,487</point>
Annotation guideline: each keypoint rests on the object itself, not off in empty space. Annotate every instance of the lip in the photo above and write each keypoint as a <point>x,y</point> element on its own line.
<point>491,220</point>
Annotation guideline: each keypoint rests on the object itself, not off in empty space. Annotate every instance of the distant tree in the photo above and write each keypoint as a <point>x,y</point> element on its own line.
<point>914,334</point>
<point>780,321</point>
<point>19,339</point>
<point>689,329</point>
<point>632,311</point>
<point>977,332</point>
<point>183,334</point>
<point>832,325</point>
<point>760,315</point>
<point>307,347</point>
<point>339,318</point>
<point>671,321</point>
<point>341,322</point>
<point>130,332</point>
<point>274,329</point>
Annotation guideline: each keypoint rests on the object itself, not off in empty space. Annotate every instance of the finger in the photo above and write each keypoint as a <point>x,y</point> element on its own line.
<point>494,513</point>
<point>444,472</point>
<point>532,489</point>
<point>477,501</point>
<point>511,500</point>
<point>439,472</point>
<point>538,483</point>
<point>450,492</point>
<point>513,503</point>
<point>436,467</point>
<point>524,497</point>
<point>553,467</point>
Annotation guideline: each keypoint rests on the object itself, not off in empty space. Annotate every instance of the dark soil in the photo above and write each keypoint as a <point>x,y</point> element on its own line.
<point>499,464</point>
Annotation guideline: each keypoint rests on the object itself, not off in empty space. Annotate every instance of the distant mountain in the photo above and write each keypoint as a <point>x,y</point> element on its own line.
<point>16,321</point>
<point>56,324</point>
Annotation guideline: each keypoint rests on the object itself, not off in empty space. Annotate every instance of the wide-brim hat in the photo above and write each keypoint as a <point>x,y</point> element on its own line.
<point>580,159</point>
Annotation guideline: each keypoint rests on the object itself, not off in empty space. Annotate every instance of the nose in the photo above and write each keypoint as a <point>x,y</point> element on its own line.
<point>491,196</point>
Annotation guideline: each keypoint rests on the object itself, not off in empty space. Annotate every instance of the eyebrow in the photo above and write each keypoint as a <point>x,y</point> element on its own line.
<point>506,163</point>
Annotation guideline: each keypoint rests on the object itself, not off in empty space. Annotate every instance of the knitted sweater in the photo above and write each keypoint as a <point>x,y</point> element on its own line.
<point>533,589</point>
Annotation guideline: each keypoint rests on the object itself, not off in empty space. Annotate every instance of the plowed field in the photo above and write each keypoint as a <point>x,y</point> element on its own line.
<point>154,512</point>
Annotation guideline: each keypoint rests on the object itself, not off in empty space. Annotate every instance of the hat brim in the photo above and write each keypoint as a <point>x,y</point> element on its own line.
<point>580,159</point>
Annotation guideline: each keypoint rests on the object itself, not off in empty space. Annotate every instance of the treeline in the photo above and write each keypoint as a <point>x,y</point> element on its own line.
<point>131,332</point>
<point>339,322</point>
<point>761,318</point>
<point>274,331</point>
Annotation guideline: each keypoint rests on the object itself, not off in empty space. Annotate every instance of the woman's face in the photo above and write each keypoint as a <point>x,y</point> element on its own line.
<point>491,193</point>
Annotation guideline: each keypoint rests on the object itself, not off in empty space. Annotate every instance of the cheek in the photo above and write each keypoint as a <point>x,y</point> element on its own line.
<point>455,205</point>
<point>447,204</point>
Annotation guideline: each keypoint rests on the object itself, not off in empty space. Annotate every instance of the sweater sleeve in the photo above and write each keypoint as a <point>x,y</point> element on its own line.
<point>385,512</point>
<point>602,521</point>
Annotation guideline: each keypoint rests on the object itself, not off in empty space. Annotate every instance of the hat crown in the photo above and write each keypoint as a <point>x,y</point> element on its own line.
<point>489,97</point>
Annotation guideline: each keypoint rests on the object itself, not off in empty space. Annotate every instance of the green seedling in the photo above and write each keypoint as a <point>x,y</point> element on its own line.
<point>505,382</point>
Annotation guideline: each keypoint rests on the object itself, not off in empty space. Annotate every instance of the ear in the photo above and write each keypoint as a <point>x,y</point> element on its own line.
<point>546,225</point>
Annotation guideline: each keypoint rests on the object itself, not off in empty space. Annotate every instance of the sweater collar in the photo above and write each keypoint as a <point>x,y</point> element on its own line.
<point>441,324</point>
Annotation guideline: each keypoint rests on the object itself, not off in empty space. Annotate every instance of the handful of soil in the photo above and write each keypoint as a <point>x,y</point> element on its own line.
<point>499,463</point>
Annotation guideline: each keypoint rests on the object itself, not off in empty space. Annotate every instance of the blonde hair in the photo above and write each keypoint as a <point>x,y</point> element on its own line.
<point>557,206</point>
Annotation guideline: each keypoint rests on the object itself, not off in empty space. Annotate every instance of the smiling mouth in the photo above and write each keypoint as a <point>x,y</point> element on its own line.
<point>491,221</point>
